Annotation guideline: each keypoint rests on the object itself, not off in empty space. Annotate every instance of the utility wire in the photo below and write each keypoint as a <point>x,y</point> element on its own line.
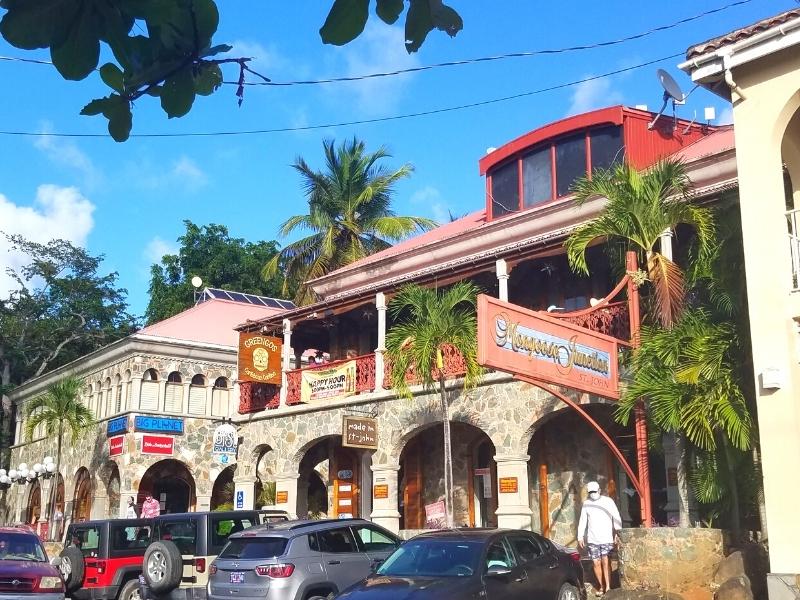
<point>471,61</point>
<point>424,113</point>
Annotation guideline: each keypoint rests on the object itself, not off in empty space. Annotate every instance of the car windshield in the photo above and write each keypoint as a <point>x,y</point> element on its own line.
<point>21,546</point>
<point>253,548</point>
<point>433,558</point>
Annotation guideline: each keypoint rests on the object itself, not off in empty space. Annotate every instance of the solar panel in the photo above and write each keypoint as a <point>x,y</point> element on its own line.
<point>241,298</point>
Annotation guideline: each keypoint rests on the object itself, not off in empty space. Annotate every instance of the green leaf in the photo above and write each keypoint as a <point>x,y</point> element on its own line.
<point>222,48</point>
<point>95,107</point>
<point>419,22</point>
<point>112,76</point>
<point>206,17</point>
<point>207,80</point>
<point>78,55</point>
<point>389,10</point>
<point>178,94</point>
<point>446,19</point>
<point>30,24</point>
<point>345,21</point>
<point>120,120</point>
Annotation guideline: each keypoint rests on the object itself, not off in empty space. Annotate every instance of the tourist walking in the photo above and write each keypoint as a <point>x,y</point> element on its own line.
<point>597,531</point>
<point>150,507</point>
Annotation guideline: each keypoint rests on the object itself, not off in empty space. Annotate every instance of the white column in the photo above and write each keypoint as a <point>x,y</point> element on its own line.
<point>513,508</point>
<point>380,304</point>
<point>502,279</point>
<point>247,487</point>
<point>287,483</point>
<point>18,433</point>
<point>162,395</point>
<point>287,357</point>
<point>385,510</point>
<point>210,397</point>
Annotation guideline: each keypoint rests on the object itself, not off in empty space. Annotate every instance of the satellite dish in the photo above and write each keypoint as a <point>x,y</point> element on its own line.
<point>671,87</point>
<point>196,281</point>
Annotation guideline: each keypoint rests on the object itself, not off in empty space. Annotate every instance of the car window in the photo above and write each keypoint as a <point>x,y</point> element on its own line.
<point>433,558</point>
<point>127,540</point>
<point>527,548</point>
<point>254,548</point>
<point>21,546</point>
<point>183,533</point>
<point>371,539</point>
<point>87,539</point>
<point>336,541</point>
<point>500,555</point>
<point>222,527</point>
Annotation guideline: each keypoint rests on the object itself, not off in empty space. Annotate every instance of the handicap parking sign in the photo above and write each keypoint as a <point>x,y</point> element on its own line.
<point>240,499</point>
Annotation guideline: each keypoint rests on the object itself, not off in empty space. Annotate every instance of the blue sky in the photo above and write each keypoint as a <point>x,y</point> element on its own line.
<point>127,201</point>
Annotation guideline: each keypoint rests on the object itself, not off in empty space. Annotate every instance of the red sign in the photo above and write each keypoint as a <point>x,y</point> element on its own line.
<point>116,445</point>
<point>525,342</point>
<point>157,444</point>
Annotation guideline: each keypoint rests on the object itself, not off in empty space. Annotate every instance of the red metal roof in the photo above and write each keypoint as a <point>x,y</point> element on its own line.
<point>741,33</point>
<point>715,143</point>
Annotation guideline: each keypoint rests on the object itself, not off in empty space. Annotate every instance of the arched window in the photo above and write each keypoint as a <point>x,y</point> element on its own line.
<point>127,393</point>
<point>117,394</point>
<point>220,398</point>
<point>148,399</point>
<point>109,393</point>
<point>173,403</point>
<point>197,395</point>
<point>98,394</point>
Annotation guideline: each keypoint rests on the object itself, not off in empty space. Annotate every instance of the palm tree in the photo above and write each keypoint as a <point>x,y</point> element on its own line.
<point>427,321</point>
<point>641,207</point>
<point>59,409</point>
<point>349,216</point>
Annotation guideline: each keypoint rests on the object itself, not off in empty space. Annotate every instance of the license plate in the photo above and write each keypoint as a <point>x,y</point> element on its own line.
<point>237,577</point>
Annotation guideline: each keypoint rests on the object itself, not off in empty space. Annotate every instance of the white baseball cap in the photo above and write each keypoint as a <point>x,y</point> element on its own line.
<point>592,486</point>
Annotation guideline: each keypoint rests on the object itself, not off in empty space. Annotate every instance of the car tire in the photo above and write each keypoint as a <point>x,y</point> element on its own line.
<point>162,566</point>
<point>568,592</point>
<point>72,568</point>
<point>131,590</point>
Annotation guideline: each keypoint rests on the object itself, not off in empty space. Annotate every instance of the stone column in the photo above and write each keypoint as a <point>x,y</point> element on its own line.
<point>247,486</point>
<point>287,482</point>
<point>18,429</point>
<point>501,269</point>
<point>513,508</point>
<point>385,511</point>
<point>204,503</point>
<point>287,357</point>
<point>380,304</point>
<point>210,398</point>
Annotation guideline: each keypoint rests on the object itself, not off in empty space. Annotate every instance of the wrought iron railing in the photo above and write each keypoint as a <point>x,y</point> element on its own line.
<point>365,376</point>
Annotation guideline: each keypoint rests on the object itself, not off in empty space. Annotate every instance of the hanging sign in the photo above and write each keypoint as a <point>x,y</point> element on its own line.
<point>225,440</point>
<point>116,445</point>
<point>328,383</point>
<point>158,425</point>
<point>435,515</point>
<point>525,342</point>
<point>359,432</point>
<point>117,426</point>
<point>158,444</point>
<point>259,358</point>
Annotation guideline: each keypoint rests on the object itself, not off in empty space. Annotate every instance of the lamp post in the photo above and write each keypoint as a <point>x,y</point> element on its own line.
<point>24,475</point>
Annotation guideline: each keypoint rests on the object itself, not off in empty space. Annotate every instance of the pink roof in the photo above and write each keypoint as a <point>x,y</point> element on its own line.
<point>210,322</point>
<point>443,232</point>
<point>716,142</point>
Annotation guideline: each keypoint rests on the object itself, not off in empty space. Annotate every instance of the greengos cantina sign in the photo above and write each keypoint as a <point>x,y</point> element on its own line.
<point>534,344</point>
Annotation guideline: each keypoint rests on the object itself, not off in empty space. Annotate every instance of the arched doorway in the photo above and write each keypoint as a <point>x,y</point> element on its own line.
<point>170,482</point>
<point>421,478</point>
<point>265,476</point>
<point>223,491</point>
<point>34,511</point>
<point>82,500</point>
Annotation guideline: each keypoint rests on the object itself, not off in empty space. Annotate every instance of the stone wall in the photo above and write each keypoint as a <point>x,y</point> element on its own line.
<point>670,558</point>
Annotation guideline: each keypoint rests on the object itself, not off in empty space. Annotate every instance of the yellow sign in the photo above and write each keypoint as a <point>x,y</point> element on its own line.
<point>281,497</point>
<point>508,485</point>
<point>259,358</point>
<point>331,382</point>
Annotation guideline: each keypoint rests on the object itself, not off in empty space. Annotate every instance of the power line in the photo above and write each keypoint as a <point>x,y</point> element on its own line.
<point>471,61</point>
<point>424,113</point>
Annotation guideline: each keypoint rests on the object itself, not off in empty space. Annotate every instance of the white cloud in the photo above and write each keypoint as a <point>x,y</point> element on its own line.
<point>431,197</point>
<point>266,60</point>
<point>183,174</point>
<point>67,154</point>
<point>156,249</point>
<point>57,213</point>
<point>589,95</point>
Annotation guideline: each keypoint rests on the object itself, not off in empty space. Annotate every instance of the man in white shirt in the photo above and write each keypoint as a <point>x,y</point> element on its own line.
<point>597,530</point>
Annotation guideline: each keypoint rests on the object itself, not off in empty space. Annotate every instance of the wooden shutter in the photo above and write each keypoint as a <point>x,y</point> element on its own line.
<point>197,399</point>
<point>413,511</point>
<point>173,403</point>
<point>149,397</point>
<point>220,398</point>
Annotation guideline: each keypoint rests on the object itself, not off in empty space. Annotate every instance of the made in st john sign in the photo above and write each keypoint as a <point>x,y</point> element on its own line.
<point>525,342</point>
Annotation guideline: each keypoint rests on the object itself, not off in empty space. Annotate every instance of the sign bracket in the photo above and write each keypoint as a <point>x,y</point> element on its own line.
<point>372,413</point>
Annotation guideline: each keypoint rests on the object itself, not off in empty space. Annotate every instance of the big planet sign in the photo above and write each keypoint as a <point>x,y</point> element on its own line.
<point>533,344</point>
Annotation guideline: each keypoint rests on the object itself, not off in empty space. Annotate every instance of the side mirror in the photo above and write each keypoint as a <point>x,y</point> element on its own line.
<point>498,572</point>
<point>56,561</point>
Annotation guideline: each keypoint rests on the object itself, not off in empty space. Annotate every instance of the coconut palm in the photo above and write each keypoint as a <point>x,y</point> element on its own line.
<point>349,216</point>
<point>641,206</point>
<point>427,321</point>
<point>59,409</point>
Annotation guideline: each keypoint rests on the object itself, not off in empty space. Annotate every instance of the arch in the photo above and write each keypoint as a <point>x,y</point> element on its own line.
<point>221,383</point>
<point>117,394</point>
<point>171,483</point>
<point>150,375</point>
<point>82,498</point>
<point>174,377</point>
<point>263,459</point>
<point>33,511</point>
<point>199,379</point>
<point>223,491</point>
<point>557,408</point>
<point>113,484</point>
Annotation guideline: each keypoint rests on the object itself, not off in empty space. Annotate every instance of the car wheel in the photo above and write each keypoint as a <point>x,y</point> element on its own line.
<point>162,566</point>
<point>568,592</point>
<point>130,591</point>
<point>72,568</point>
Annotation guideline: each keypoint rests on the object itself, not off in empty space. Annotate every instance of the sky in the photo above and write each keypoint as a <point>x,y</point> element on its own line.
<point>128,201</point>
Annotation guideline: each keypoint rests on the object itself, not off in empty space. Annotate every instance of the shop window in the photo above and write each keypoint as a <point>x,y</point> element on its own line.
<point>537,177</point>
<point>570,162</point>
<point>606,145</point>
<point>505,189</point>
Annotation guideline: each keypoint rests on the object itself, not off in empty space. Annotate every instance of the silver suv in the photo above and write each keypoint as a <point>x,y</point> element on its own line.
<point>299,560</point>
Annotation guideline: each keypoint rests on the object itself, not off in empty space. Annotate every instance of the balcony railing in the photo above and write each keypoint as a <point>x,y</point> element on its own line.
<point>365,376</point>
<point>792,218</point>
<point>454,366</point>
